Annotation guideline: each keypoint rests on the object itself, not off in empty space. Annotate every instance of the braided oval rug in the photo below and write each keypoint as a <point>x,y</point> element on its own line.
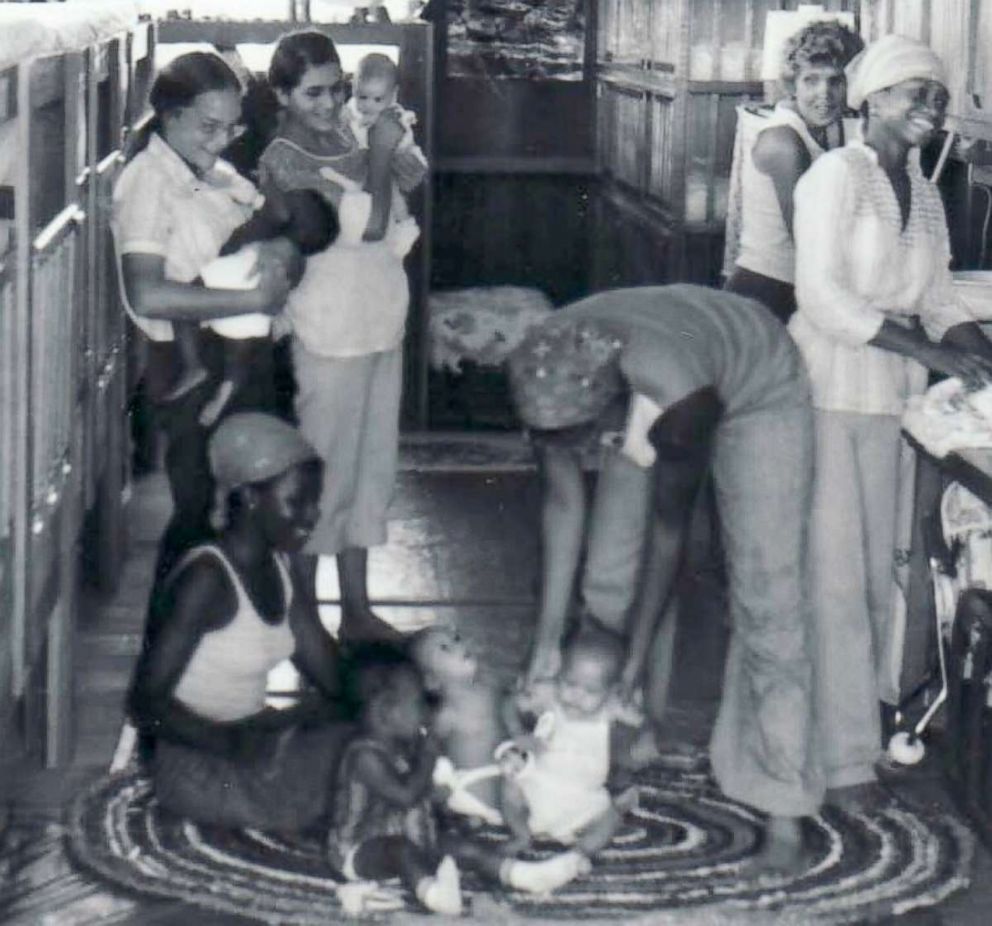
<point>680,860</point>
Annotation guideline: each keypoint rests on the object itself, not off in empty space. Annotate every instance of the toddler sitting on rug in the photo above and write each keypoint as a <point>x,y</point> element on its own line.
<point>558,787</point>
<point>468,720</point>
<point>550,781</point>
<point>383,822</point>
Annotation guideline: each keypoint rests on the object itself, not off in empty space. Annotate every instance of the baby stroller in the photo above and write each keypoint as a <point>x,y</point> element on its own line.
<point>959,549</point>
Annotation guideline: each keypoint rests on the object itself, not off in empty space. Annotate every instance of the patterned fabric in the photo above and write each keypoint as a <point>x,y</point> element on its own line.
<point>359,814</point>
<point>856,267</point>
<point>564,373</point>
<point>161,207</point>
<point>949,417</point>
<point>483,324</point>
<point>252,447</point>
<point>678,859</point>
<point>353,298</point>
<point>289,167</point>
<point>680,339</point>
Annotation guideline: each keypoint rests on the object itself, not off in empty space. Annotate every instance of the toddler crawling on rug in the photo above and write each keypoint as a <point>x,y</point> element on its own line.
<point>550,781</point>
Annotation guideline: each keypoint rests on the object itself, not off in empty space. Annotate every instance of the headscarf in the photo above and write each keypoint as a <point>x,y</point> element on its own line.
<point>890,61</point>
<point>251,447</point>
<point>564,373</point>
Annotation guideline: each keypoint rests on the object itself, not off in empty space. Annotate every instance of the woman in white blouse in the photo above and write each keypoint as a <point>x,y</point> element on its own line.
<point>876,311</point>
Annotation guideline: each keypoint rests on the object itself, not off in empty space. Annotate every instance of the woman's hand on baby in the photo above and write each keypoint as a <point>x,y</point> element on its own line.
<point>387,131</point>
<point>630,682</point>
<point>273,286</point>
<point>276,207</point>
<point>544,664</point>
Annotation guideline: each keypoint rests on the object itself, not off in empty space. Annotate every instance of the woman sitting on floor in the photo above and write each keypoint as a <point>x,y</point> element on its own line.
<point>229,612</point>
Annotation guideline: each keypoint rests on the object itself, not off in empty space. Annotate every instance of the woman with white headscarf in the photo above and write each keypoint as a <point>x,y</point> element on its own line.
<point>876,311</point>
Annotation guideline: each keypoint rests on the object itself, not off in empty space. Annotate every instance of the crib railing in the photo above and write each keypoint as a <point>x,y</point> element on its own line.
<point>8,308</point>
<point>54,329</point>
<point>62,392</point>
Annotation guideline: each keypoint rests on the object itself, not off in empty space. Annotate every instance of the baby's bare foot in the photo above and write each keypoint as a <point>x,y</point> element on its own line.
<point>213,407</point>
<point>188,380</point>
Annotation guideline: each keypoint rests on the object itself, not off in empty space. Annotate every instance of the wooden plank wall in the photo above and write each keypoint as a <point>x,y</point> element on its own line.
<point>670,75</point>
<point>682,67</point>
<point>960,31</point>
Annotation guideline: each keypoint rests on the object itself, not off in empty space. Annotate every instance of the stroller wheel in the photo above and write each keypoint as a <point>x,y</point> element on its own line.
<point>905,748</point>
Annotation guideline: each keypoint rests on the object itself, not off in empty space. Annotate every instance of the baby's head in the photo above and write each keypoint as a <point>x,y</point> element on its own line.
<point>374,86</point>
<point>442,656</point>
<point>389,691</point>
<point>592,660</point>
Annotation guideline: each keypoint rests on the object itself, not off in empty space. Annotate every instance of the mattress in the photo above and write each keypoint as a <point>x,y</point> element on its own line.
<point>33,29</point>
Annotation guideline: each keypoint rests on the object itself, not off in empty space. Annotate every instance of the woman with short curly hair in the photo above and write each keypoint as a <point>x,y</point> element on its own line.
<point>800,128</point>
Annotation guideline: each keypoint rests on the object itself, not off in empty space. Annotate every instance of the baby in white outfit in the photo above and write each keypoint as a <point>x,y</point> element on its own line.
<point>374,90</point>
<point>560,788</point>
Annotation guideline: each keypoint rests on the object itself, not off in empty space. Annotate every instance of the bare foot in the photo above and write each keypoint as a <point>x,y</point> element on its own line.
<point>367,627</point>
<point>188,380</point>
<point>215,405</point>
<point>867,797</point>
<point>784,852</point>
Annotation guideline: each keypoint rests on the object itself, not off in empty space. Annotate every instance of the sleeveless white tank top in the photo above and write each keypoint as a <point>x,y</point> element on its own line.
<point>766,246</point>
<point>225,679</point>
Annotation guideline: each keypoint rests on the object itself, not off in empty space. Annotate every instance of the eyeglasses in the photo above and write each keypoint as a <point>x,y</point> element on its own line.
<point>213,129</point>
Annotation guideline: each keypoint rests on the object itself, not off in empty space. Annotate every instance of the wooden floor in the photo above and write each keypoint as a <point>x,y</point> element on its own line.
<point>462,547</point>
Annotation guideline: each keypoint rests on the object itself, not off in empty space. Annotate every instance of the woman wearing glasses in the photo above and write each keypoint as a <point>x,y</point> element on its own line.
<point>175,206</point>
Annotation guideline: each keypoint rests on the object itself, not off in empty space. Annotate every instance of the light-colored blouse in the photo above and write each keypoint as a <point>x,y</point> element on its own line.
<point>352,300</point>
<point>161,207</point>
<point>856,267</point>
